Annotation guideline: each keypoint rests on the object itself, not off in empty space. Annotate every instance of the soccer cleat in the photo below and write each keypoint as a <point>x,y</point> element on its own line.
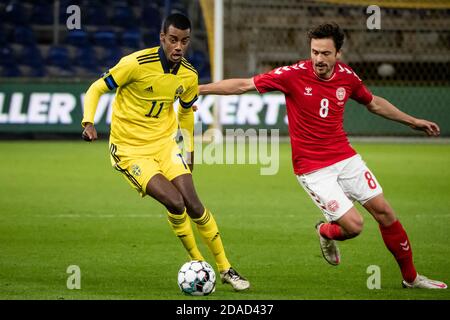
<point>330,249</point>
<point>238,282</point>
<point>422,282</point>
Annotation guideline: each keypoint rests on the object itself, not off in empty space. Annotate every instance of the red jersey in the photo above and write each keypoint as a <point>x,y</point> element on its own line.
<point>315,110</point>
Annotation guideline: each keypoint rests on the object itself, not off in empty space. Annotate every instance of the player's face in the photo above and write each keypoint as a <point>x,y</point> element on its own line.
<point>175,43</point>
<point>323,56</point>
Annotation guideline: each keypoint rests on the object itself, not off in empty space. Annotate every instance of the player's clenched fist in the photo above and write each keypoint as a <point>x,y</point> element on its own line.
<point>89,132</point>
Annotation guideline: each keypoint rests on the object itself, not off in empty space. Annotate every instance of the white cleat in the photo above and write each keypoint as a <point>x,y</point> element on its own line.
<point>330,249</point>
<point>422,282</point>
<point>238,282</point>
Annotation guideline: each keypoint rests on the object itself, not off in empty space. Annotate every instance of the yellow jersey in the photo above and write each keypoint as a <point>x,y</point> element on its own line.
<point>147,86</point>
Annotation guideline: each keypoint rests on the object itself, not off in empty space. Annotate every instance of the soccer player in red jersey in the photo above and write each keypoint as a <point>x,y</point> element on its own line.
<point>326,165</point>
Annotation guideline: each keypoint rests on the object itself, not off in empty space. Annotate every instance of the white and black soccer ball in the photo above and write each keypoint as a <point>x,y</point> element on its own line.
<point>197,278</point>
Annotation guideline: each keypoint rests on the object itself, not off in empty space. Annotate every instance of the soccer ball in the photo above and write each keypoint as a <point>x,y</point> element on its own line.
<point>196,278</point>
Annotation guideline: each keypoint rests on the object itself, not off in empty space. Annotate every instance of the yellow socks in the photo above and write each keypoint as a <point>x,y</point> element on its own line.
<point>182,227</point>
<point>208,230</point>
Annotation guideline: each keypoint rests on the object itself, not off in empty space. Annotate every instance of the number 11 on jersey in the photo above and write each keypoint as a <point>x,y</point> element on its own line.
<point>153,114</point>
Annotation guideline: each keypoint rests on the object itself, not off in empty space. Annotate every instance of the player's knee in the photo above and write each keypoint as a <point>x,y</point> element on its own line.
<point>175,205</point>
<point>379,206</point>
<point>386,210</point>
<point>195,209</point>
<point>355,228</point>
<point>384,214</point>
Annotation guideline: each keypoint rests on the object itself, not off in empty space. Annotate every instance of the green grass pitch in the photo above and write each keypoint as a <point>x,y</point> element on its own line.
<point>62,204</point>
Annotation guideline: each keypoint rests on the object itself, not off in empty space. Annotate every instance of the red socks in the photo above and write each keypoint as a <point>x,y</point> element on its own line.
<point>395,238</point>
<point>397,242</point>
<point>331,231</point>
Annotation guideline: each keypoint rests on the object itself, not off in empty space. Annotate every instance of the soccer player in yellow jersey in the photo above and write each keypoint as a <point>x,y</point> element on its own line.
<point>143,129</point>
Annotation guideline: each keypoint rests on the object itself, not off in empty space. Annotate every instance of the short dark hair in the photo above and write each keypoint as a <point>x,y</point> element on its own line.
<point>178,20</point>
<point>328,30</point>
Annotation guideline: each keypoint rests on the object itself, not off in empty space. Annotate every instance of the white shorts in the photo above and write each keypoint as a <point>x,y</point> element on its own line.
<point>335,188</point>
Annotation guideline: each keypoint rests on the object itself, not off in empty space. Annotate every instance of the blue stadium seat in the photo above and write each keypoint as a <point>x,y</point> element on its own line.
<point>85,57</point>
<point>11,71</point>
<point>107,39</point>
<point>123,16</point>
<point>77,38</point>
<point>8,64</point>
<point>59,56</point>
<point>151,16</point>
<point>131,39</point>
<point>176,6</point>
<point>112,56</point>
<point>23,35</point>
<point>31,56</point>
<point>201,62</point>
<point>96,15</point>
<point>197,58</point>
<point>151,38</point>
<point>204,75</point>
<point>7,56</point>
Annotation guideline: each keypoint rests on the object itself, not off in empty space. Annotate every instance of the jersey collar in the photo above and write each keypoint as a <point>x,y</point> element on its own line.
<point>167,66</point>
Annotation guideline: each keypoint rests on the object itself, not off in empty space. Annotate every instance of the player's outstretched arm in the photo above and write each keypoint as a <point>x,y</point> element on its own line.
<point>227,87</point>
<point>91,99</point>
<point>384,108</point>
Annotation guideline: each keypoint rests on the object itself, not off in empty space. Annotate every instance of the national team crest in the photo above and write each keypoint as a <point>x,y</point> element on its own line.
<point>340,93</point>
<point>136,170</point>
<point>179,90</point>
<point>332,206</point>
